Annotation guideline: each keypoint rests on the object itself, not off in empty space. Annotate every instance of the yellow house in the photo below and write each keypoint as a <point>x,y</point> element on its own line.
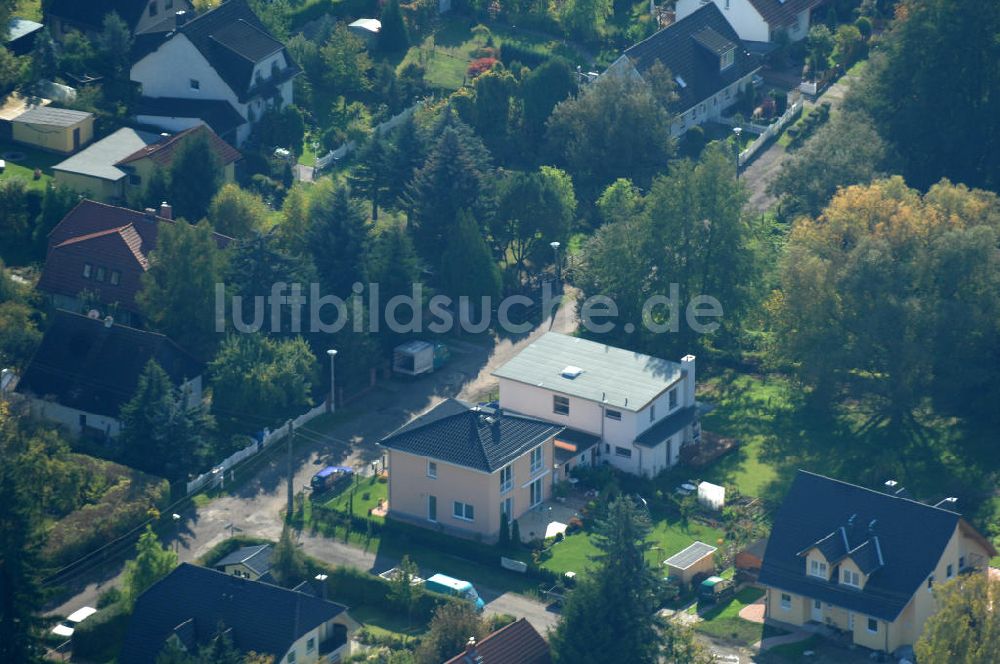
<point>54,129</point>
<point>863,561</point>
<point>248,562</point>
<point>458,468</point>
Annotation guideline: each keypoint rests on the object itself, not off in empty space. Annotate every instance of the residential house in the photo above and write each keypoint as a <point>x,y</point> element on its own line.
<point>143,17</point>
<point>224,55</point>
<point>86,368</point>
<point>458,467</point>
<point>119,166</point>
<point>759,21</point>
<point>864,561</point>
<point>704,56</point>
<point>248,562</point>
<point>516,643</point>
<point>97,255</point>
<point>54,129</point>
<point>175,114</point>
<point>189,605</point>
<point>640,408</point>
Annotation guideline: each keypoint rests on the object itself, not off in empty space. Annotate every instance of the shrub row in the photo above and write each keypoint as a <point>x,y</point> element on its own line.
<point>99,637</point>
<point>354,587</point>
<point>528,56</point>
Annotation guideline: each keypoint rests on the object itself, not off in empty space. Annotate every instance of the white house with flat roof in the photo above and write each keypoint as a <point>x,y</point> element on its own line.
<point>642,408</point>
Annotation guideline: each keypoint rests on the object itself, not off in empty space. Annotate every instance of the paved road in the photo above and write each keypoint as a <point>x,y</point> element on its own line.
<point>254,509</point>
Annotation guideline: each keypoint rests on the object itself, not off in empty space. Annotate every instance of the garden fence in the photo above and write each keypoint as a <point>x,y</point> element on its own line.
<point>390,124</point>
<point>769,132</point>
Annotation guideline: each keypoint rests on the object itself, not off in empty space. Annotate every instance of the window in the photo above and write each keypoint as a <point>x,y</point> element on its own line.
<point>507,507</point>
<point>432,470</point>
<point>153,10</point>
<point>536,459</point>
<point>99,275</point>
<point>672,398</point>
<point>786,601</point>
<point>727,4</point>
<point>607,448</point>
<point>116,277</point>
<point>851,578</point>
<point>727,59</point>
<point>817,568</point>
<point>615,415</point>
<point>169,4</point>
<point>872,625</point>
<point>623,452</point>
<point>195,84</point>
<point>274,69</point>
<point>961,562</point>
<point>652,413</point>
<point>310,646</point>
<point>432,508</point>
<point>87,270</point>
<point>560,405</point>
<point>949,572</point>
<point>930,583</point>
<point>83,421</point>
<point>507,478</point>
<point>463,511</point>
<point>536,492</point>
<point>291,657</point>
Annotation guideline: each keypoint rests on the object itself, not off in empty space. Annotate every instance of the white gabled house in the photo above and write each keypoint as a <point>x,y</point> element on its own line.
<point>760,20</point>
<point>224,55</point>
<point>641,408</point>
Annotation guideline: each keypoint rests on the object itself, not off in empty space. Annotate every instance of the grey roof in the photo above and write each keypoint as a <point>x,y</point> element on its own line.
<point>99,159</point>
<point>621,378</point>
<point>216,113</point>
<point>900,541</point>
<point>262,617</point>
<point>257,558</point>
<point>666,427</point>
<point>20,27</point>
<point>690,555</point>
<point>56,117</point>
<point>713,41</point>
<point>580,440</point>
<point>481,438</point>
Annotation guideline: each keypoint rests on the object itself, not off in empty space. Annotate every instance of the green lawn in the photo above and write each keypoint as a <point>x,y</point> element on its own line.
<point>367,492</point>
<point>723,621</point>
<point>381,622</point>
<point>574,553</point>
<point>24,167</point>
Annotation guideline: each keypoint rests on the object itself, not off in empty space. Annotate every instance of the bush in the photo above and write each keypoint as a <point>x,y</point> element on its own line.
<point>109,597</point>
<point>100,637</point>
<point>526,55</point>
<point>864,26</point>
<point>354,588</point>
<point>480,66</point>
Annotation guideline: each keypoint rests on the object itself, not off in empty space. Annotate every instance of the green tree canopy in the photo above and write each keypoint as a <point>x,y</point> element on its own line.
<point>449,630</point>
<point>966,627</point>
<point>195,177</point>
<point>541,89</point>
<point>236,212</point>
<point>393,36</point>
<point>339,236</point>
<point>288,564</point>
<point>152,562</point>
<point>467,267</point>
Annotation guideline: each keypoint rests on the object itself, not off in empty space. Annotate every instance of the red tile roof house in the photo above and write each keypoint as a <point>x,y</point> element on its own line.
<point>97,255</point>
<point>517,643</point>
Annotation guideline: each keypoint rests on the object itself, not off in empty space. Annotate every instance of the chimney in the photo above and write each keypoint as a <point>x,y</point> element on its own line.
<point>166,211</point>
<point>108,321</point>
<point>180,18</point>
<point>687,367</point>
<point>150,214</point>
<point>470,647</point>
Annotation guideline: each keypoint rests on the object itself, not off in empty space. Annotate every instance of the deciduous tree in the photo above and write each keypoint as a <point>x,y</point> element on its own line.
<point>236,212</point>
<point>151,563</point>
<point>966,627</point>
<point>449,630</point>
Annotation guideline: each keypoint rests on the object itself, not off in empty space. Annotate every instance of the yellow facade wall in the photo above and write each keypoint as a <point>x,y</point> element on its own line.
<point>95,188</point>
<point>53,138</point>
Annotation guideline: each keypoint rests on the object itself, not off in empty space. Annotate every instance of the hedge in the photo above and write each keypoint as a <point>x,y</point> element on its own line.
<point>356,588</point>
<point>99,637</point>
<point>526,55</point>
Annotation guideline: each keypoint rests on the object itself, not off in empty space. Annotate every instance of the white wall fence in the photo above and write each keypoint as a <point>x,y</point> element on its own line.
<point>390,124</point>
<point>767,132</point>
<point>216,476</point>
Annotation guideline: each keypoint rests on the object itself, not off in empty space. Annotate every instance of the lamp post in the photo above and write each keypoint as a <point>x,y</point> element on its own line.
<point>333,389</point>
<point>737,131</point>
<point>177,532</point>
<point>555,251</point>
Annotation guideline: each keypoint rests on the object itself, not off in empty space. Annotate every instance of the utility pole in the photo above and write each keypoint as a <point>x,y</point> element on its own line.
<point>291,473</point>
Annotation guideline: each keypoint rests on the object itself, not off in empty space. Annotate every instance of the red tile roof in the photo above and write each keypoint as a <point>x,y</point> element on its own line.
<point>517,643</point>
<point>162,152</point>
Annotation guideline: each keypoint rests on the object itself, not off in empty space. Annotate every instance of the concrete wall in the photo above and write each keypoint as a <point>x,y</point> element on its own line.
<point>95,188</point>
<point>56,139</point>
<point>747,23</point>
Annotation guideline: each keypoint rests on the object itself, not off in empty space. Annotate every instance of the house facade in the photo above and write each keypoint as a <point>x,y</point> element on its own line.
<point>223,55</point>
<point>248,562</point>
<point>760,20</point>
<point>708,63</point>
<point>639,409</point>
<point>458,467</point>
<point>864,561</point>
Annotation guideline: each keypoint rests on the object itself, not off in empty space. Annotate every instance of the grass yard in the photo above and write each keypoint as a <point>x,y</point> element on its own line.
<point>574,553</point>
<point>380,622</point>
<point>723,621</point>
<point>368,491</point>
<point>24,167</point>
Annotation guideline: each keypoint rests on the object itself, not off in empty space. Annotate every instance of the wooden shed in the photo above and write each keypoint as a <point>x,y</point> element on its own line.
<point>55,129</point>
<point>695,559</point>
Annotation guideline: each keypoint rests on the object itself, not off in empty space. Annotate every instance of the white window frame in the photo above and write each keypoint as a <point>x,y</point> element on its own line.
<point>615,415</point>
<point>560,404</point>
<point>537,460</point>
<point>672,399</point>
<point>852,579</point>
<point>291,657</point>
<point>727,59</point>
<point>310,645</point>
<point>506,483</point>
<point>930,583</point>
<point>818,569</point>
<point>432,498</point>
<point>468,511</point>
<point>786,602</point>
<point>870,630</point>
<point>432,470</point>
<point>507,507</point>
<point>623,452</point>
<point>537,495</point>
<point>949,571</point>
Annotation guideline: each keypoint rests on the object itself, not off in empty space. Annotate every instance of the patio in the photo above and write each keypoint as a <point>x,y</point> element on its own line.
<point>538,520</point>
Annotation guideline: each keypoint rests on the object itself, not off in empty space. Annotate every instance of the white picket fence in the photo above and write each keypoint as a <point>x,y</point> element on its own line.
<point>216,476</point>
<point>769,131</point>
<point>390,124</point>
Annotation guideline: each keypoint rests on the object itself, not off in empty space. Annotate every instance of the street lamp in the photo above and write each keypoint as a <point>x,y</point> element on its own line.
<point>333,392</point>
<point>177,532</point>
<point>737,131</point>
<point>555,251</point>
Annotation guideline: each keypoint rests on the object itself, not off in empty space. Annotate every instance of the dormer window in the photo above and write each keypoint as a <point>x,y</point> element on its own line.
<point>849,578</point>
<point>153,9</point>
<point>726,59</point>
<point>818,569</point>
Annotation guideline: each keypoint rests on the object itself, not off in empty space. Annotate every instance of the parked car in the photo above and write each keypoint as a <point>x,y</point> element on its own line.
<point>330,477</point>
<point>446,585</point>
<point>715,589</point>
<point>68,626</point>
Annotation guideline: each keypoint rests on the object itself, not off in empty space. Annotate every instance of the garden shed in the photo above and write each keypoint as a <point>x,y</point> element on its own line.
<point>695,559</point>
<point>56,129</point>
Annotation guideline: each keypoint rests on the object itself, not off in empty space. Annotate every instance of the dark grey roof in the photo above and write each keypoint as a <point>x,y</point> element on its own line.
<point>262,617</point>
<point>689,556</point>
<point>478,437</point>
<point>617,377</point>
<point>56,117</point>
<point>216,113</point>
<point>901,548</point>
<point>666,427</point>
<point>86,365</point>
<point>688,49</point>
<point>247,40</point>
<point>20,27</point>
<point>257,558</point>
<point>580,441</point>
<point>781,13</point>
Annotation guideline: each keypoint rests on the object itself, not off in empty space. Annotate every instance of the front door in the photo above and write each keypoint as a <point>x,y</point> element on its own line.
<point>817,610</point>
<point>76,139</point>
<point>432,508</point>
